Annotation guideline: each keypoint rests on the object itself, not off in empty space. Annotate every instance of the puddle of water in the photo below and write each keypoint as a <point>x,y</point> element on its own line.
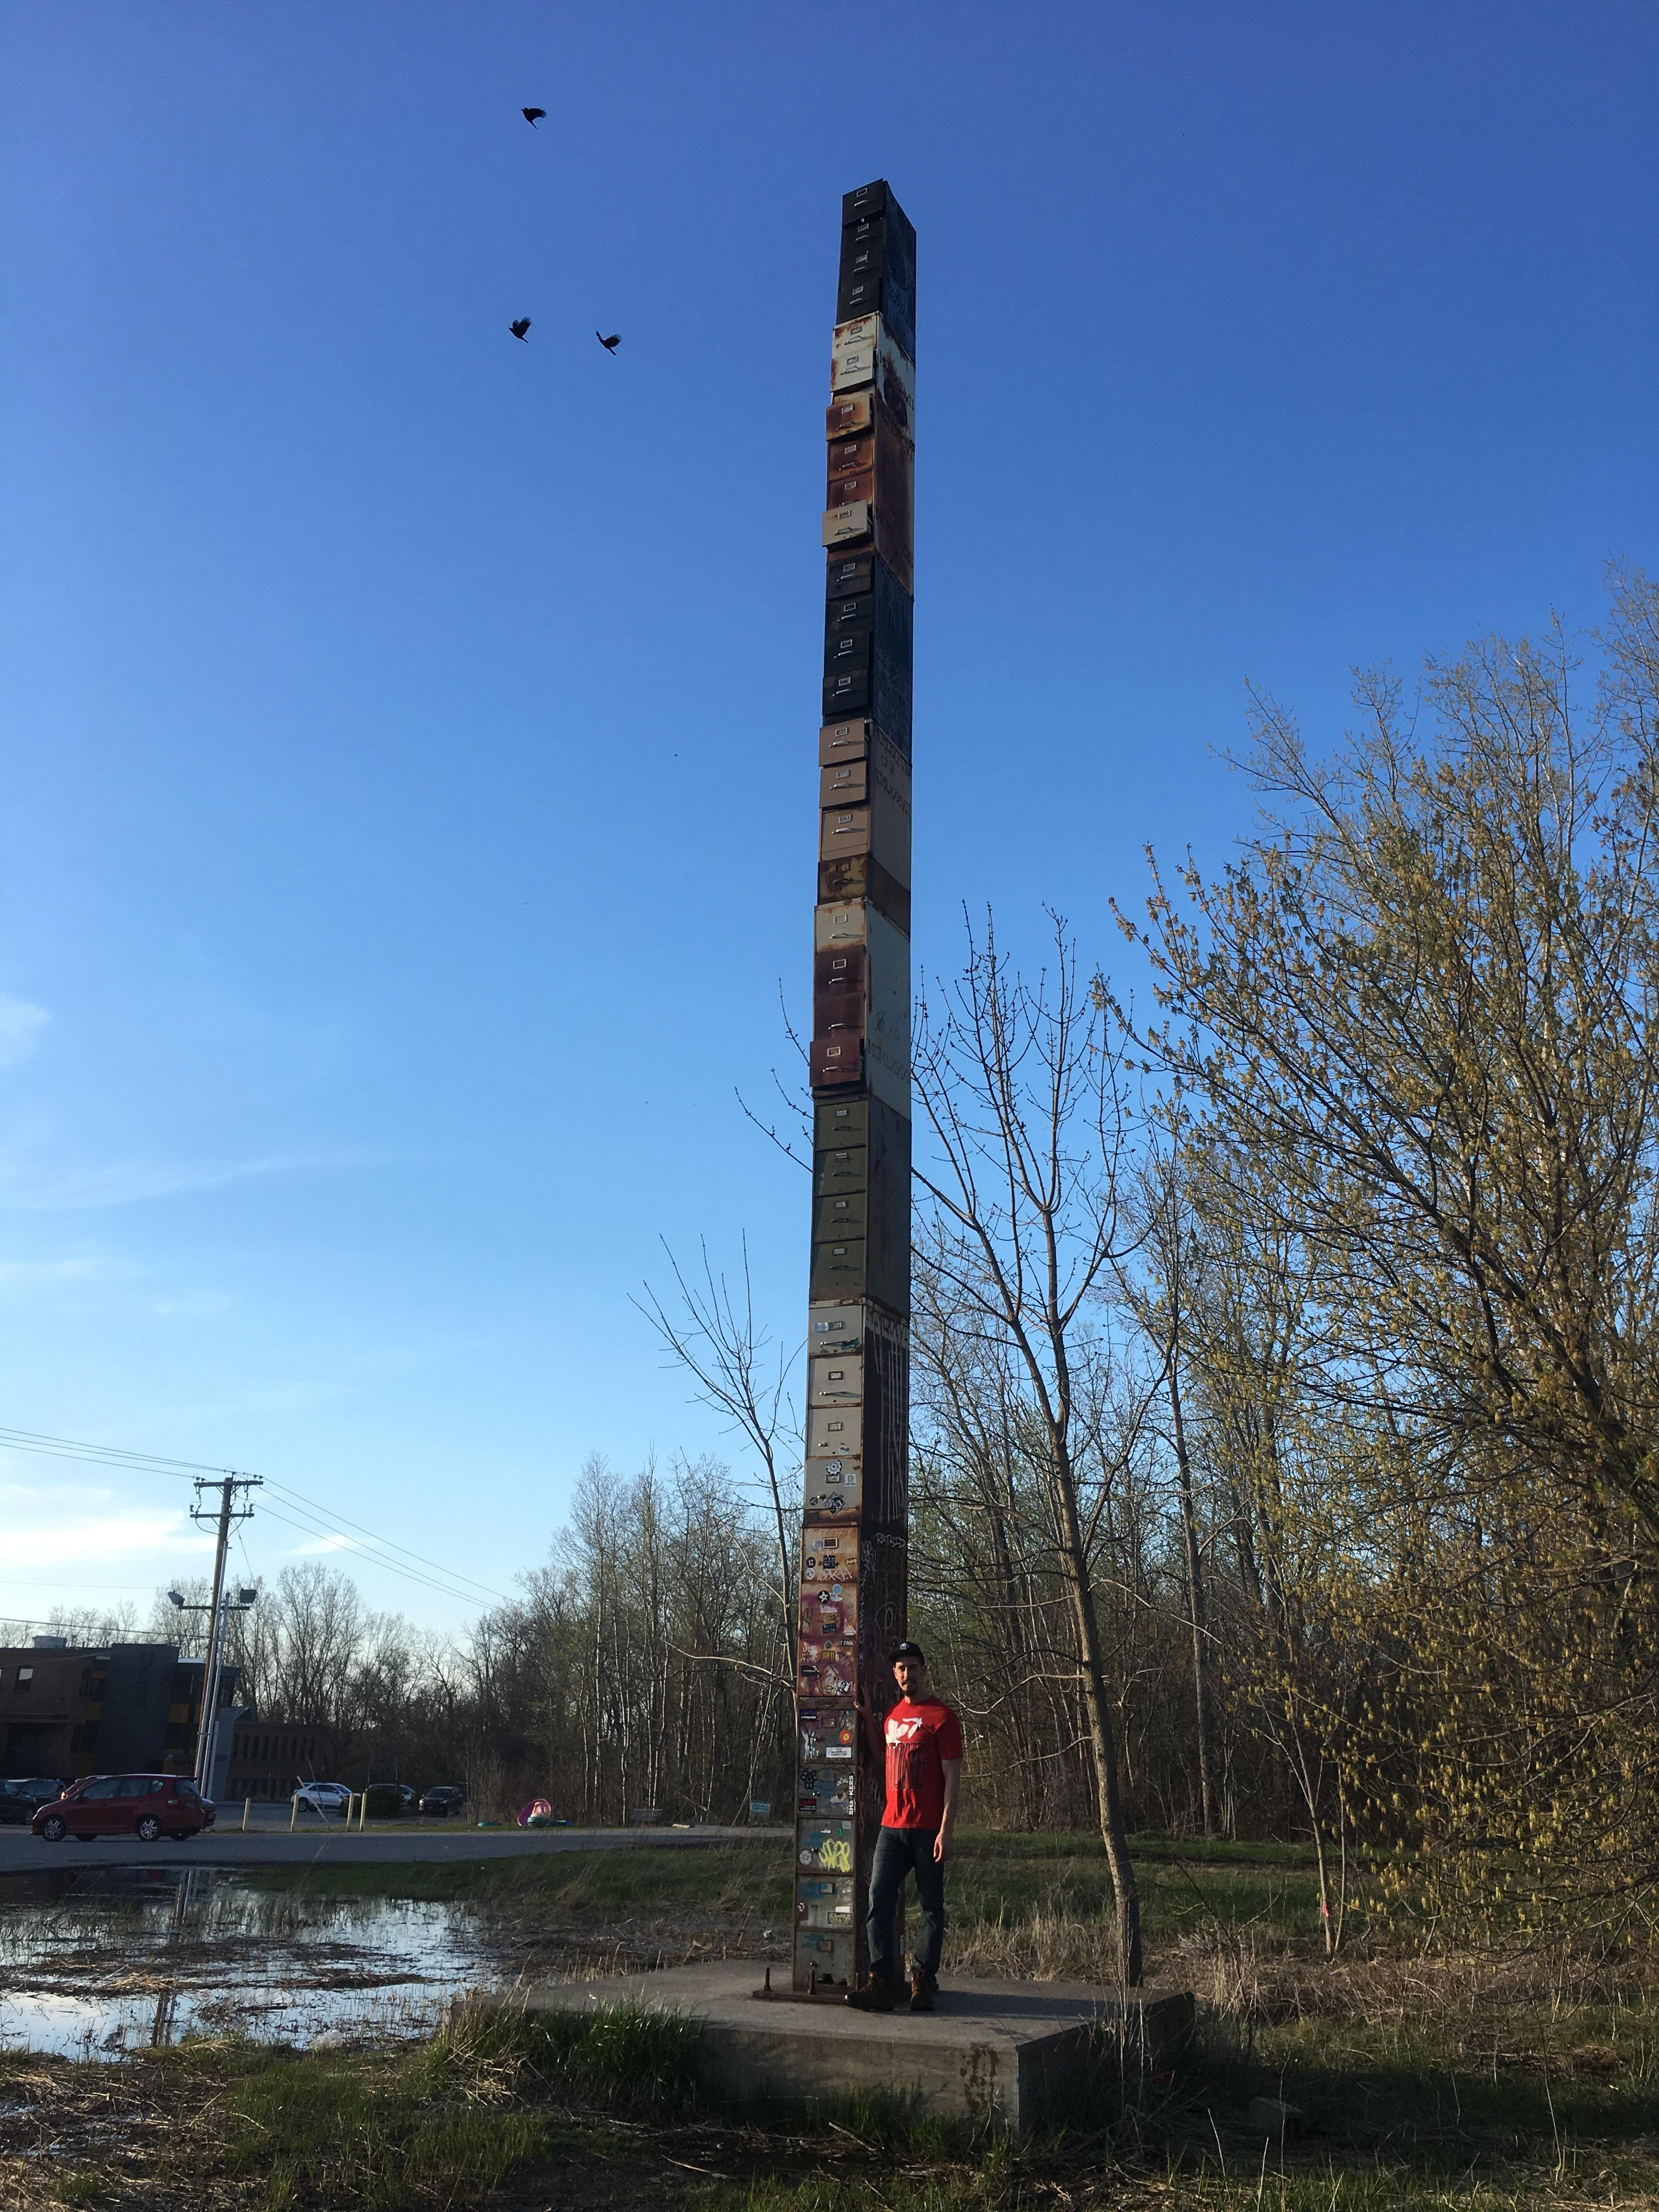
<point>94,1965</point>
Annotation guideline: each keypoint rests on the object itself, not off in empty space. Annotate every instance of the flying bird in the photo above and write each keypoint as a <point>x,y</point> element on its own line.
<point>532,116</point>
<point>612,342</point>
<point>519,328</point>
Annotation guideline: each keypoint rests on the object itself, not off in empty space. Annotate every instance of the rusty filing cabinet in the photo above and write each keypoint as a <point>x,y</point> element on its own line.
<point>856,876</point>
<point>880,828</point>
<point>832,1061</point>
<point>854,411</point>
<point>870,490</point>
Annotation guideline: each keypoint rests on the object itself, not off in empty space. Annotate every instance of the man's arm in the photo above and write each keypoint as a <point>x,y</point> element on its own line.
<point>951,1769</point>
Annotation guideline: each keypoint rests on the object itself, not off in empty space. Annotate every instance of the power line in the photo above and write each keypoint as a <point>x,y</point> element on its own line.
<point>356,1549</point>
<point>28,1440</point>
<point>470,1592</point>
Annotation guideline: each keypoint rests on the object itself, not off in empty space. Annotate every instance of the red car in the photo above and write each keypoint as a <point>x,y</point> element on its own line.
<point>143,1805</point>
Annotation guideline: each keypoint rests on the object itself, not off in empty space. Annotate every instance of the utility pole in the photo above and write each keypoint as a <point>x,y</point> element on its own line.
<point>229,1513</point>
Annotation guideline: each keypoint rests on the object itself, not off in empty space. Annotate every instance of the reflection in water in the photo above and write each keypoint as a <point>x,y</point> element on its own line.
<point>95,1964</point>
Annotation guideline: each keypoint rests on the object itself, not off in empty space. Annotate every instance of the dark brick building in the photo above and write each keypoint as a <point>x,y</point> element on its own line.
<point>269,1759</point>
<point>71,1710</point>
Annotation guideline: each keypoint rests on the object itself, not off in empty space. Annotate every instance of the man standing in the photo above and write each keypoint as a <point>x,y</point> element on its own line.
<point>922,1741</point>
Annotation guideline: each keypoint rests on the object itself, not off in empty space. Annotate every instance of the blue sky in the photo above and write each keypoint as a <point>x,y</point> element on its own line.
<point>407,783</point>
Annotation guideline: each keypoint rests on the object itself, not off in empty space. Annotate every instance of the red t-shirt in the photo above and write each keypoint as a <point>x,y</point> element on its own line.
<point>918,1737</point>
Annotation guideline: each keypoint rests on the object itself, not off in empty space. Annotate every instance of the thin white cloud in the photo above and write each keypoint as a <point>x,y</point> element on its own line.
<point>319,1547</point>
<point>128,1182</point>
<point>26,1274</point>
<point>103,1539</point>
<point>21,1025</point>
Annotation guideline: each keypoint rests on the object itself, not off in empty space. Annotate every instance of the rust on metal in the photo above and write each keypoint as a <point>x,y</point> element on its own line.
<point>843,418</point>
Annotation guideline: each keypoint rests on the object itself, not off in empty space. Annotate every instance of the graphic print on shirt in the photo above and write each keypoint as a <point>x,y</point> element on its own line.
<point>919,1738</point>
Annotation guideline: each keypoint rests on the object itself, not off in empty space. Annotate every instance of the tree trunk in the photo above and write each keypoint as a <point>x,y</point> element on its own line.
<point>1097,1706</point>
<point>1196,1607</point>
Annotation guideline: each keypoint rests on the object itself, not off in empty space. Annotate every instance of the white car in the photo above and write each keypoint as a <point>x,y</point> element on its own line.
<point>323,1796</point>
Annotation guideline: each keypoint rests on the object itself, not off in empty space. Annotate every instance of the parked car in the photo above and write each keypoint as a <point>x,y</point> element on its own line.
<point>143,1805</point>
<point>448,1797</point>
<point>19,1801</point>
<point>323,1796</point>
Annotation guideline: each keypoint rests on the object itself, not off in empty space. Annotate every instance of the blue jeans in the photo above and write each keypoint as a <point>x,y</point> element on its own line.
<point>900,1851</point>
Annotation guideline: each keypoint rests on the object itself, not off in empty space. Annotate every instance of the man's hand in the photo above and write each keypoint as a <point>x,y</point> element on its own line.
<point>942,1846</point>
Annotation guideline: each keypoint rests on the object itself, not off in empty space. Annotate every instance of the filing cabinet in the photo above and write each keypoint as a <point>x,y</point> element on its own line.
<point>826,1616</point>
<point>835,1328</point>
<point>867,653</point>
<point>838,1270</point>
<point>834,1061</point>
<point>825,1960</point>
<point>824,1846</point>
<point>834,1432</point>
<point>843,741</point>
<point>829,1792</point>
<point>878,831</point>
<point>841,1214</point>
<point>835,1378</point>
<point>847,1120</point>
<point>830,1562</point>
<point>852,354</point>
<point>824,1901</point>
<point>847,416</point>
<point>844,783</point>
<point>852,472</point>
<point>832,1485</point>
<point>856,738</point>
<point>838,974</point>
<point>826,1674</point>
<point>857,876</point>
<point>870,490</point>
<point>850,575</point>
<point>844,1167</point>
<point>847,924</point>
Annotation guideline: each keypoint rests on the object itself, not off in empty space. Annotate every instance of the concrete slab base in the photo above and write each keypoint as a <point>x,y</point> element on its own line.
<point>1014,2051</point>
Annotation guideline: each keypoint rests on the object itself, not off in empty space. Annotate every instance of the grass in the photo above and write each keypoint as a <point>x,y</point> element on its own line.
<point>715,1878</point>
<point>441,2122</point>
<point>1003,1891</point>
<point>1475,2084</point>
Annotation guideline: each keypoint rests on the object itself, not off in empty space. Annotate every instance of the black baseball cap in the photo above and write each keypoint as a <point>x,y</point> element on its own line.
<point>906,1651</point>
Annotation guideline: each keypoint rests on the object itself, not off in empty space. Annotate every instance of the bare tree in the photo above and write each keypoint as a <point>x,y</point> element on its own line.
<point>1019,1083</point>
<point>713,1335</point>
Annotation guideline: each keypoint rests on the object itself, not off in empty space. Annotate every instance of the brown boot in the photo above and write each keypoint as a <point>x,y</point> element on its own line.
<point>923,1990</point>
<point>875,1993</point>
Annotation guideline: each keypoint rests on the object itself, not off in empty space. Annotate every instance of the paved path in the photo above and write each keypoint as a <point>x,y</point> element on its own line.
<point>391,1845</point>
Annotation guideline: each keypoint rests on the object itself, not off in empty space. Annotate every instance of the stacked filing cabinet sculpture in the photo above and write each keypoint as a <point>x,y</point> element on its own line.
<point>856,1510</point>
